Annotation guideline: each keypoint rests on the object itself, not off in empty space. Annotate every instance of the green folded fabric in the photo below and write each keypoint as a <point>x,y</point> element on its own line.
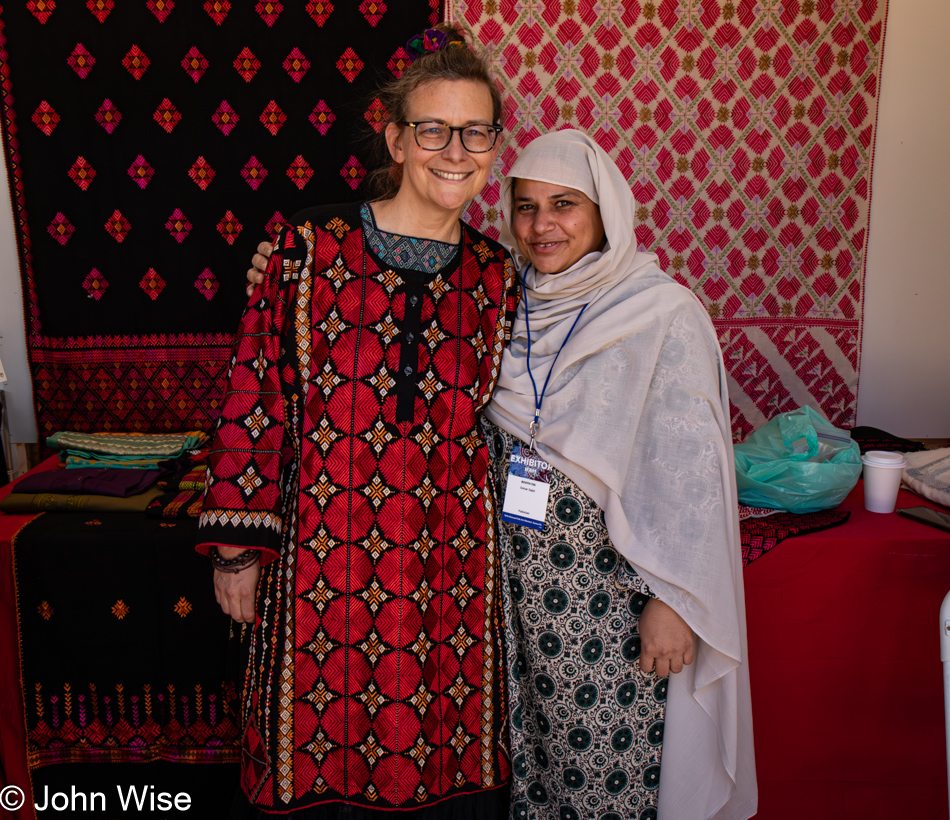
<point>73,461</point>
<point>60,502</point>
<point>191,479</point>
<point>168,445</point>
<point>178,504</point>
<point>131,451</point>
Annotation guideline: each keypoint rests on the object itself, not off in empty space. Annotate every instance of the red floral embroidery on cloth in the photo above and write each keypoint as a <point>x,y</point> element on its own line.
<point>378,633</point>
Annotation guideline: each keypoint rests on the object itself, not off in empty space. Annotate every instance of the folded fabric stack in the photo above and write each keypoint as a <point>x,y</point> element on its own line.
<point>123,451</point>
<point>106,472</point>
<point>182,494</point>
<point>928,474</point>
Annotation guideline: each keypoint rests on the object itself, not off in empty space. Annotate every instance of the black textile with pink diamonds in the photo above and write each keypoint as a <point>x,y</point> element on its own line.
<point>151,145</point>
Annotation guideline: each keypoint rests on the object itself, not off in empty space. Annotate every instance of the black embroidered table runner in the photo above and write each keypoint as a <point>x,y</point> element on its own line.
<point>759,535</point>
<point>125,655</point>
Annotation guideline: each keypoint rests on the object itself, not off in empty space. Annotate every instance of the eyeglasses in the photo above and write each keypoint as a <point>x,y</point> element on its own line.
<point>434,136</point>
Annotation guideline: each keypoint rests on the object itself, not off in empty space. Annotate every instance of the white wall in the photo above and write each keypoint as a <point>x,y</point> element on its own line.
<point>905,363</point>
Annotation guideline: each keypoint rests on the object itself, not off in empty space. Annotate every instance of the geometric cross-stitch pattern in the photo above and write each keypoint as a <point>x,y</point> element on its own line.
<point>746,131</point>
<point>150,147</point>
<point>759,535</point>
<point>378,615</point>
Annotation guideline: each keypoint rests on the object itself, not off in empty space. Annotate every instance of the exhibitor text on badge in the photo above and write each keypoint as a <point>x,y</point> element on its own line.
<point>130,798</point>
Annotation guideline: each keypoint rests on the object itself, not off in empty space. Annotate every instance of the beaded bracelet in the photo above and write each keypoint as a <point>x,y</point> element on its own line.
<point>238,563</point>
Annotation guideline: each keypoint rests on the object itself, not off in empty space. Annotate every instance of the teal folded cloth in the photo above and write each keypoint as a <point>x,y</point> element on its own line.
<point>128,451</point>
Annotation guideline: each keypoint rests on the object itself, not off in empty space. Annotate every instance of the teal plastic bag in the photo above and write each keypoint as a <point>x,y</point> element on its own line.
<point>797,462</point>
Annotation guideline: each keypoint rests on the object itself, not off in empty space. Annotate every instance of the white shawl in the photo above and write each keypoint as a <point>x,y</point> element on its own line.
<point>637,414</point>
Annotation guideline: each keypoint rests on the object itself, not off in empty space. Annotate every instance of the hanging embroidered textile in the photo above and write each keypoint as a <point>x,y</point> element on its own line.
<point>746,130</point>
<point>149,146</point>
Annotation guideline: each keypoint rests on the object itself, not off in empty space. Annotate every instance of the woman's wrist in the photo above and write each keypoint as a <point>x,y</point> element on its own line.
<point>234,563</point>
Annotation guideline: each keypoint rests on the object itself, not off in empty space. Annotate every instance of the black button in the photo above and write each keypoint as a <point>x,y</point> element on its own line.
<point>413,300</point>
<point>408,371</point>
<point>410,337</point>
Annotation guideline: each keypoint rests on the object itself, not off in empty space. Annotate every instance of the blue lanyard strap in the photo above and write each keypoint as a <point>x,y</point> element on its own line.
<point>536,424</point>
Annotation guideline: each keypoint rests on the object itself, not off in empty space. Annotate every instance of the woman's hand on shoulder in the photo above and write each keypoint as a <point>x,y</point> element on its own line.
<point>255,273</point>
<point>666,641</point>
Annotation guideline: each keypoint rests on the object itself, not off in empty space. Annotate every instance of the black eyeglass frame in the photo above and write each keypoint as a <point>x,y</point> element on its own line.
<point>495,130</point>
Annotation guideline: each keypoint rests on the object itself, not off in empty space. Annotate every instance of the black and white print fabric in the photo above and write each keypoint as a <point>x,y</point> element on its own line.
<point>586,723</point>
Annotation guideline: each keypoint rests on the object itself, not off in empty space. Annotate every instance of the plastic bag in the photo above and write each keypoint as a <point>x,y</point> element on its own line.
<point>797,462</point>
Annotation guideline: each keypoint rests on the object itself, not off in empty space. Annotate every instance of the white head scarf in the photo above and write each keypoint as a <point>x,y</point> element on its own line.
<point>574,160</point>
<point>637,415</point>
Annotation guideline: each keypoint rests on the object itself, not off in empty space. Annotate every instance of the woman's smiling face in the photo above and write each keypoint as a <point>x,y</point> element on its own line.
<point>449,178</point>
<point>554,226</point>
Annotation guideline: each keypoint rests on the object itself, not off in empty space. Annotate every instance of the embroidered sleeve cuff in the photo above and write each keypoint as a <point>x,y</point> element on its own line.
<point>240,528</point>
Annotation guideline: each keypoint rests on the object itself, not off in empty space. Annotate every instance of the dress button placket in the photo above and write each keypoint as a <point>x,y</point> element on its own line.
<point>408,374</point>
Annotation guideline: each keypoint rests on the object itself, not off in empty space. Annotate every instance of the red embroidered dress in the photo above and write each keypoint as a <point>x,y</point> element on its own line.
<point>348,450</point>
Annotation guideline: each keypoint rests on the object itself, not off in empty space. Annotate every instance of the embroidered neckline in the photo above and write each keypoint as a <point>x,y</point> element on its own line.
<point>407,252</point>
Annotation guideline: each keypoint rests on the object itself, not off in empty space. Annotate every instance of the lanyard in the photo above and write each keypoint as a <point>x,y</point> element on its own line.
<point>536,424</point>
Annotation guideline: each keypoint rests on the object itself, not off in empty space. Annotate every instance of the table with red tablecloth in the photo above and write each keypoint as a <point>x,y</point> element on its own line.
<point>109,622</point>
<point>847,683</point>
<point>846,674</point>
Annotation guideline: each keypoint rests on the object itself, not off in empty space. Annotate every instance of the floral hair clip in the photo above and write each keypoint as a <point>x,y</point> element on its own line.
<point>430,40</point>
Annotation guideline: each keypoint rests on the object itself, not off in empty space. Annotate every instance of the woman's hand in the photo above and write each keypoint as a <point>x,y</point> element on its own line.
<point>236,592</point>
<point>666,641</point>
<point>255,274</point>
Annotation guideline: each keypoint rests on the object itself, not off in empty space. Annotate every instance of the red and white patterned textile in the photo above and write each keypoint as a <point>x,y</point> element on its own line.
<point>746,130</point>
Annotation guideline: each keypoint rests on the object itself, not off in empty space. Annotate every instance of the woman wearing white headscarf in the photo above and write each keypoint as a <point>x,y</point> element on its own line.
<point>634,423</point>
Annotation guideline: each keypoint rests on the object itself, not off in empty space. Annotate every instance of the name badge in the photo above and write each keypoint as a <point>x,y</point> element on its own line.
<point>526,494</point>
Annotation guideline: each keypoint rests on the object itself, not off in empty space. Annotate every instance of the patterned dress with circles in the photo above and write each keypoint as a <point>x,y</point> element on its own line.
<point>586,723</point>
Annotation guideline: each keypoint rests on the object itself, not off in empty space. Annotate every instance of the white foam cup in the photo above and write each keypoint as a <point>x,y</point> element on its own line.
<point>882,479</point>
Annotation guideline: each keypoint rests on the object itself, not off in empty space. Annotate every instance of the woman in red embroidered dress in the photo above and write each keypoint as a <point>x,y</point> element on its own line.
<point>346,511</point>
